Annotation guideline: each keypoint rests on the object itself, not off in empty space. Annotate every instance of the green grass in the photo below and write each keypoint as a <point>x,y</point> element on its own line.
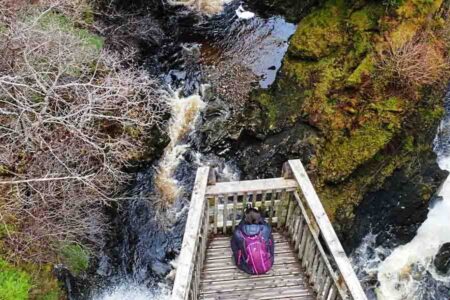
<point>14,284</point>
<point>53,19</point>
<point>75,257</point>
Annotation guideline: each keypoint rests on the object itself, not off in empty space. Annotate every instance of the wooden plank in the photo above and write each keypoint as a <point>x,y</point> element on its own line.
<point>257,204</point>
<point>282,209</point>
<point>225,214</point>
<point>216,213</point>
<point>187,255</point>
<point>254,195</point>
<point>235,274</point>
<point>326,290</point>
<point>244,203</point>
<point>253,283</point>
<point>297,293</point>
<point>247,186</point>
<point>235,198</point>
<point>289,214</point>
<point>343,264</point>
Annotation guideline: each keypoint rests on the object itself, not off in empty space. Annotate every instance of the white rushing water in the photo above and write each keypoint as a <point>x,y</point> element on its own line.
<point>407,272</point>
<point>185,112</point>
<point>133,291</point>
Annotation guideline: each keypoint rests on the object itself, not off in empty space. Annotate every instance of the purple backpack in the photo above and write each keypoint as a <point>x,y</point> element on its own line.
<point>257,254</point>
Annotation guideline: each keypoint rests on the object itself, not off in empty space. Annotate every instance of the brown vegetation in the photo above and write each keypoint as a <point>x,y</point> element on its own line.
<point>421,61</point>
<point>71,117</point>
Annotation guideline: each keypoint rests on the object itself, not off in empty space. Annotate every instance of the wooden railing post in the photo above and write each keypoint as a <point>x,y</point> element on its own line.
<point>343,265</point>
<point>189,248</point>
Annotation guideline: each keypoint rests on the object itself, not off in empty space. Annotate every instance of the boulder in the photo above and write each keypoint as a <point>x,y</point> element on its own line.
<point>442,259</point>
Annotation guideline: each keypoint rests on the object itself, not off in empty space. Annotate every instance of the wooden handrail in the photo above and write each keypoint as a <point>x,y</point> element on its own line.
<point>326,229</point>
<point>248,186</point>
<point>291,203</point>
<point>189,247</point>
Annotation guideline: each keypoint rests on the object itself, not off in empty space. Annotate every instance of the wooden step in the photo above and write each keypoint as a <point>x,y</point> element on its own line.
<point>298,293</point>
<point>252,283</point>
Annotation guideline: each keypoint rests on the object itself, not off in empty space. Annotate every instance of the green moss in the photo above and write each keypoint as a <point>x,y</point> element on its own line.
<point>430,115</point>
<point>61,22</point>
<point>14,284</point>
<point>364,70</point>
<point>329,80</point>
<point>75,257</point>
<point>342,155</point>
<point>320,33</point>
<point>367,17</point>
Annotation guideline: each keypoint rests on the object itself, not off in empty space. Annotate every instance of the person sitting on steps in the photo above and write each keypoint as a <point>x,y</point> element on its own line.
<point>252,243</point>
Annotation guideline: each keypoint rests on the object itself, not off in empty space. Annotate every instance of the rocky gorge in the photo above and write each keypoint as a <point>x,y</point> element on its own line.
<point>321,86</point>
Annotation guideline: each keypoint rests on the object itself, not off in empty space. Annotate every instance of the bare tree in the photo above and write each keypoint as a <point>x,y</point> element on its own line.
<point>72,116</point>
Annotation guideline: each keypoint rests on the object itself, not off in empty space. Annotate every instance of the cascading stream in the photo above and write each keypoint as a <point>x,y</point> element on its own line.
<point>147,238</point>
<point>184,114</point>
<point>182,123</point>
<point>407,272</point>
<point>403,274</point>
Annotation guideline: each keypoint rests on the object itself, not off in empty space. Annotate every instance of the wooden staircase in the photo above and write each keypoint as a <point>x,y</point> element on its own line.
<point>310,262</point>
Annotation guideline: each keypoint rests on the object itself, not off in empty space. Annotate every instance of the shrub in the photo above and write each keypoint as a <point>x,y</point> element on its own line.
<point>14,284</point>
<point>75,257</point>
<point>67,110</point>
<point>418,62</point>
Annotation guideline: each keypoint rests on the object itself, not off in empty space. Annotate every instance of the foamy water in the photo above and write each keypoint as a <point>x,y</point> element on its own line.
<point>184,114</point>
<point>207,7</point>
<point>133,291</point>
<point>402,274</point>
<point>407,272</point>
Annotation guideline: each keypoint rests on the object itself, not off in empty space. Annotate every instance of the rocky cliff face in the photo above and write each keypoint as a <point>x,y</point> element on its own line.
<point>366,138</point>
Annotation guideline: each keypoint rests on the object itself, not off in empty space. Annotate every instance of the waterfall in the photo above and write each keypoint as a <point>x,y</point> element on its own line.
<point>132,291</point>
<point>184,114</point>
<point>403,274</point>
<point>407,272</point>
<point>185,111</point>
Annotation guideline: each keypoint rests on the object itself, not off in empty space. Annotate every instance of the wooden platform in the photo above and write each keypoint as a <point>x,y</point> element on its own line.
<point>221,279</point>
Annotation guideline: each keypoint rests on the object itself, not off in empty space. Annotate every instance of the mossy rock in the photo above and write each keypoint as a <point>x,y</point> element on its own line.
<point>320,33</point>
<point>364,70</point>
<point>366,19</point>
<point>342,155</point>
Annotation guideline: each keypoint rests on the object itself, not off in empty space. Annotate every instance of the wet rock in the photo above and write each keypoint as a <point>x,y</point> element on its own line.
<point>264,159</point>
<point>104,266</point>
<point>75,287</point>
<point>160,269</point>
<point>212,131</point>
<point>395,211</point>
<point>442,259</point>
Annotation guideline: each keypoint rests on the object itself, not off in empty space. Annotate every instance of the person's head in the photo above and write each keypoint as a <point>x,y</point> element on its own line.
<point>253,216</point>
